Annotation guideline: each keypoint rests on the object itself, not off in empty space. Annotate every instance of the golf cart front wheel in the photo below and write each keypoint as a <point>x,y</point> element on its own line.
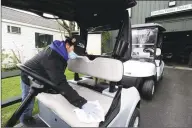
<point>135,119</point>
<point>148,89</point>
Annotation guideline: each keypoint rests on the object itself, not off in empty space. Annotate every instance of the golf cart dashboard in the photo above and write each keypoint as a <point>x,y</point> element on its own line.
<point>142,52</point>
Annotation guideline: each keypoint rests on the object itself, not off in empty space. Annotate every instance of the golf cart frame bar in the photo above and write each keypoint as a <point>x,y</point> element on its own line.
<point>159,26</point>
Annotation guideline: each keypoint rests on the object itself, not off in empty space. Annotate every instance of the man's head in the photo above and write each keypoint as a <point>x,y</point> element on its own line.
<point>69,43</point>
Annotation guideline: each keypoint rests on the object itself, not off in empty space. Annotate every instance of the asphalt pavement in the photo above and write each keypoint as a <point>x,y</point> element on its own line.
<point>172,102</point>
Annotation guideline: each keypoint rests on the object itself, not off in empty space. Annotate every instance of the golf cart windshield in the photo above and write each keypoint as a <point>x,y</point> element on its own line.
<point>143,42</point>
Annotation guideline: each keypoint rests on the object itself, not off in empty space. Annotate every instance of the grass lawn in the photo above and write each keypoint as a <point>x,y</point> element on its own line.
<point>11,87</point>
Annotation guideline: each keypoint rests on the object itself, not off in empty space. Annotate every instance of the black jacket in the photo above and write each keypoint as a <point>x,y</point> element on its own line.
<point>51,65</point>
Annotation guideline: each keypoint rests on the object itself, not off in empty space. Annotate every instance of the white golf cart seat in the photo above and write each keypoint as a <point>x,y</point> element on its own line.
<point>64,110</point>
<point>60,108</point>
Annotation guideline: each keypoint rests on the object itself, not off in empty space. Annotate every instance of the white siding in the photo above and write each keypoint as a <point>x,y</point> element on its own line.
<point>25,42</point>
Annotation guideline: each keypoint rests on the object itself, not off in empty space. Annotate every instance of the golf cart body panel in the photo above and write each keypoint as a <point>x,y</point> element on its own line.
<point>160,68</point>
<point>139,68</point>
<point>128,106</point>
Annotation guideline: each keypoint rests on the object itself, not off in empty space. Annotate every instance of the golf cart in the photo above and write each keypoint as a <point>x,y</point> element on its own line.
<point>145,68</point>
<point>121,104</point>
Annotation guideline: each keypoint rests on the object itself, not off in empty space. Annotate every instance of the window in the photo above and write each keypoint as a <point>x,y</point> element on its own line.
<point>13,29</point>
<point>42,40</point>
<point>172,3</point>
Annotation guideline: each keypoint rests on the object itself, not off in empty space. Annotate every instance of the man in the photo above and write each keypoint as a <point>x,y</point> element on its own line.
<point>51,64</point>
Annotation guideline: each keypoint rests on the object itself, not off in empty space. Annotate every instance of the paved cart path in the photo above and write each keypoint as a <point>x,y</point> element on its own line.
<point>172,103</point>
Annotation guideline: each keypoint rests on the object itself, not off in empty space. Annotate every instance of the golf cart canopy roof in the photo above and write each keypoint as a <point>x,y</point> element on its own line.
<point>87,13</point>
<point>147,25</point>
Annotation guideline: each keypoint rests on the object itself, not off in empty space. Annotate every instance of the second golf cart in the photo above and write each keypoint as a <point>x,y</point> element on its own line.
<point>145,68</point>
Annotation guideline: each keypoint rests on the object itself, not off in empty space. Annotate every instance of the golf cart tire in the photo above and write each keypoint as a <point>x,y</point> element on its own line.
<point>136,114</point>
<point>147,89</point>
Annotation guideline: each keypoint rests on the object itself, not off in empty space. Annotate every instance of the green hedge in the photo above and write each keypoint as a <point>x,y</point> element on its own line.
<point>9,69</point>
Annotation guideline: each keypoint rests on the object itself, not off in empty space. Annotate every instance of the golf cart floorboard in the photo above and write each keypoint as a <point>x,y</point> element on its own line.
<point>39,123</point>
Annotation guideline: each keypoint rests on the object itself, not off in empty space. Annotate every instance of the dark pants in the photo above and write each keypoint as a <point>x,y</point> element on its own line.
<point>28,111</point>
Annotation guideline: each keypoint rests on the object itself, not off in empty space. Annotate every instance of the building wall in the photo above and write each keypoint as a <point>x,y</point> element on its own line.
<point>144,8</point>
<point>24,42</point>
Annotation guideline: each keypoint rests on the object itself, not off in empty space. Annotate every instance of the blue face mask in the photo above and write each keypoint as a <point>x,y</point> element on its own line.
<point>72,55</point>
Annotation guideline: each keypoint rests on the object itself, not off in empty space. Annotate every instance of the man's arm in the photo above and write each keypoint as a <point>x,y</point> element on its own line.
<point>55,70</point>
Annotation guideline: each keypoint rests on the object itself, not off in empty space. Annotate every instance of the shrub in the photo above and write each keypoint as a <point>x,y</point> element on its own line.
<point>9,69</point>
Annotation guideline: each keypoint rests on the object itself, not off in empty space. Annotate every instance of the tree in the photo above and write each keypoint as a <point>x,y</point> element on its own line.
<point>70,27</point>
<point>16,54</point>
<point>105,41</point>
<point>15,58</point>
<point>9,60</point>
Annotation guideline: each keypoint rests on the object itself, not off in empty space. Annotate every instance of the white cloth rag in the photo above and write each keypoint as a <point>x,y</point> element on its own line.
<point>91,113</point>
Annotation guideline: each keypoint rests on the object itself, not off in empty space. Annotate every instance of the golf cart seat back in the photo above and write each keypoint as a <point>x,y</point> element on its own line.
<point>103,68</point>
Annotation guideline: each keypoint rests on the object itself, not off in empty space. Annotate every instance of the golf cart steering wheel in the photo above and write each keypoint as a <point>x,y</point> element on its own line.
<point>40,79</point>
<point>150,50</point>
<point>35,89</point>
